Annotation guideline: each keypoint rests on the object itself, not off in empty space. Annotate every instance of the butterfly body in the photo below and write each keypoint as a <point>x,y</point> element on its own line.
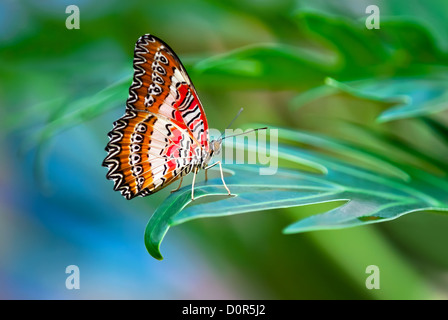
<point>163,134</point>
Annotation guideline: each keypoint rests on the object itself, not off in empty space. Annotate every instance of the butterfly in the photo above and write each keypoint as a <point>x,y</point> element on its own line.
<point>164,134</point>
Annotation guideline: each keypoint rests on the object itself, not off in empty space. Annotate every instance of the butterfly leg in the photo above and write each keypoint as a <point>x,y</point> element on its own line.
<point>206,178</point>
<point>222,174</point>
<point>174,190</point>
<point>222,178</point>
<point>192,185</point>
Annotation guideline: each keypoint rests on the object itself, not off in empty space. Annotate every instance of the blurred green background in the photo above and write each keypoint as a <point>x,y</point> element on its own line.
<point>62,89</point>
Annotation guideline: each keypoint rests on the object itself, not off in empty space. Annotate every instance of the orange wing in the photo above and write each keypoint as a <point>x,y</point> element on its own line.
<point>163,133</point>
<point>162,86</point>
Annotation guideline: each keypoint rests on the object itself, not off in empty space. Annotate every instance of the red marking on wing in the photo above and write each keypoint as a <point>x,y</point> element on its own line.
<point>199,127</point>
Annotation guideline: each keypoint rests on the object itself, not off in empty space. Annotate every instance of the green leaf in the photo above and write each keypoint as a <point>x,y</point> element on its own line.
<point>355,45</point>
<point>399,47</point>
<point>369,197</point>
<point>274,66</point>
<point>413,96</point>
<point>250,192</point>
<point>412,42</point>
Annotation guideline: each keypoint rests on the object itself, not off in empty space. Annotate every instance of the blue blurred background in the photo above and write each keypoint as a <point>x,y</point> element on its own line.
<point>58,209</point>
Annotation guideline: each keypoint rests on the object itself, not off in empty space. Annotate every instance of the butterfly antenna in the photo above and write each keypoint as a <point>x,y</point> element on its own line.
<point>231,122</point>
<point>239,134</point>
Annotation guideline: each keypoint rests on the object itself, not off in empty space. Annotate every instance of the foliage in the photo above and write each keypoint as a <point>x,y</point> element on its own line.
<point>414,86</point>
<point>362,123</point>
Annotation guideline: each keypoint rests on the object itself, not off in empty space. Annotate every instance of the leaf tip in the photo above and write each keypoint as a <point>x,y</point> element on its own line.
<point>154,251</point>
<point>295,228</point>
<point>153,247</point>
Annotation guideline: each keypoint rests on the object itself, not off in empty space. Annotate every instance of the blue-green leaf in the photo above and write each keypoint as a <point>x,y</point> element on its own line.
<point>369,197</point>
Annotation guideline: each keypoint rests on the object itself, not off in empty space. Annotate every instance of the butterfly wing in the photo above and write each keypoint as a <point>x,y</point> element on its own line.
<point>164,130</point>
<point>162,86</point>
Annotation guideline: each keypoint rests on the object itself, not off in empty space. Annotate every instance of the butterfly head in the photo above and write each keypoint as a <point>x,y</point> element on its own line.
<point>215,149</point>
<point>215,146</point>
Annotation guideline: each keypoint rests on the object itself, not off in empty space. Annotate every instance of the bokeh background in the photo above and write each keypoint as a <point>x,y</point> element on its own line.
<point>58,209</point>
